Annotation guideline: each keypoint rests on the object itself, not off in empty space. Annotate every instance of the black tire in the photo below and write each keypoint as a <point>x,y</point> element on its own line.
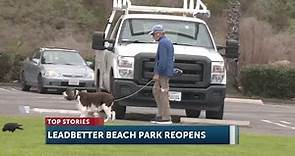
<point>40,86</point>
<point>98,89</point>
<point>119,109</point>
<point>24,85</point>
<point>91,91</point>
<point>192,113</point>
<point>216,114</point>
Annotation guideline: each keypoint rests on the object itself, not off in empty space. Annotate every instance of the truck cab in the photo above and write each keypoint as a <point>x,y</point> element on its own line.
<point>125,55</point>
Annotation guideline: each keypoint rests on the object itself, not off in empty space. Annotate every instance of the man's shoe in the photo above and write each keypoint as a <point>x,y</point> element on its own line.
<point>156,119</point>
<point>163,122</point>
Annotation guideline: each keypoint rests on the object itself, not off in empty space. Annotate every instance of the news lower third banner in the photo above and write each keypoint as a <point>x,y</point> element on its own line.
<point>93,131</point>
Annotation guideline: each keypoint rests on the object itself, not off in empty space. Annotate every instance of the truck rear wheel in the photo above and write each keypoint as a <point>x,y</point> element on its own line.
<point>192,113</point>
<point>216,114</point>
<point>119,109</point>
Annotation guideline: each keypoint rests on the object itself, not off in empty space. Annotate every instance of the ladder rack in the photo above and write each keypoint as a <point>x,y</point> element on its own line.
<point>190,7</point>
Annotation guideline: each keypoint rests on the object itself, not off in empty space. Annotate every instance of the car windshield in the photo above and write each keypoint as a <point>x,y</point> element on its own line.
<point>180,32</point>
<point>62,57</point>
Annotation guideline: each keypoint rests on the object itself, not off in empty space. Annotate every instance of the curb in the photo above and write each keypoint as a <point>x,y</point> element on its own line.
<point>278,101</point>
<point>248,101</point>
<point>211,121</point>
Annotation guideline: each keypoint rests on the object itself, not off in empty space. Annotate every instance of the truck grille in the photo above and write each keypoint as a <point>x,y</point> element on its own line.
<point>196,70</point>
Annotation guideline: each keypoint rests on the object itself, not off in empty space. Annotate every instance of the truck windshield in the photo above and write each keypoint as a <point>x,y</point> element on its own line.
<point>180,32</point>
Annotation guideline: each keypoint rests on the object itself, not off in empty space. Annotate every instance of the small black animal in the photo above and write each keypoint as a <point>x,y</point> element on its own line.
<point>11,127</point>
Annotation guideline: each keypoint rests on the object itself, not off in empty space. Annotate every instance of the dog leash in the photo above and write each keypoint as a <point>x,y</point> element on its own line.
<point>177,72</point>
<point>128,96</point>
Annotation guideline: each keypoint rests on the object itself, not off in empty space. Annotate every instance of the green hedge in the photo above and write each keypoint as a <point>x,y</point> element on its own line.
<point>268,81</point>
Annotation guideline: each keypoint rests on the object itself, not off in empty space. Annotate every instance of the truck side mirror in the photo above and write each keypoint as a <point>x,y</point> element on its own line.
<point>232,49</point>
<point>220,47</point>
<point>110,45</point>
<point>98,39</point>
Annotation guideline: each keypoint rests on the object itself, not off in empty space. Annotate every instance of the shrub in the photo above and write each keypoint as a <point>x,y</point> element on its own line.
<point>10,65</point>
<point>268,81</point>
<point>5,66</point>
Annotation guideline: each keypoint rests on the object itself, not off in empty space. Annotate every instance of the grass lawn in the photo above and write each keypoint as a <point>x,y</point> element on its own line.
<point>31,142</point>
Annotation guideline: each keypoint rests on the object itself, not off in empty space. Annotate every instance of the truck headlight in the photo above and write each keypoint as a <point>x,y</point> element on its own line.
<point>218,73</point>
<point>126,67</point>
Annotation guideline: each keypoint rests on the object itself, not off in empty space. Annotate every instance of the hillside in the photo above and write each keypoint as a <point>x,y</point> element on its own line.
<point>266,30</point>
<point>29,24</point>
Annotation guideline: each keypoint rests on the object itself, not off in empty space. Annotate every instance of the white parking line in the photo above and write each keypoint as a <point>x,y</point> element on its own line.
<point>61,111</point>
<point>28,109</point>
<point>5,90</point>
<point>14,89</point>
<point>278,124</point>
<point>49,97</point>
<point>286,122</point>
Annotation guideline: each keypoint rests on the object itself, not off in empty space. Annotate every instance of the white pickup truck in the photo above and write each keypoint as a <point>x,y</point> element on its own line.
<point>125,55</point>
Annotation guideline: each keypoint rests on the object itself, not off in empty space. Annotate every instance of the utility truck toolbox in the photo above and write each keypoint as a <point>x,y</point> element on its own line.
<point>125,56</point>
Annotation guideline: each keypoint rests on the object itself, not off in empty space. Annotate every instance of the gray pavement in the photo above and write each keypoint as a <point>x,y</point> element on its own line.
<point>265,118</point>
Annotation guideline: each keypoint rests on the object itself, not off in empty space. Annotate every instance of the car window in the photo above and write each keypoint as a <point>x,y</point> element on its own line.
<point>62,57</point>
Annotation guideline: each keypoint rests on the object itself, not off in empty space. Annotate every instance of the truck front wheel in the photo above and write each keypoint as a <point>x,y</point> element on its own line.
<point>119,109</point>
<point>192,113</point>
<point>216,114</point>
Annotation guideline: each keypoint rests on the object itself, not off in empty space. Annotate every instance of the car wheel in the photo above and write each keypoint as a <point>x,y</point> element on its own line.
<point>40,86</point>
<point>192,113</point>
<point>119,109</point>
<point>216,114</point>
<point>24,85</point>
<point>98,89</point>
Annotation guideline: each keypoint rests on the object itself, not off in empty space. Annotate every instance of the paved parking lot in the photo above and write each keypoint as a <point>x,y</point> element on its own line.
<point>274,119</point>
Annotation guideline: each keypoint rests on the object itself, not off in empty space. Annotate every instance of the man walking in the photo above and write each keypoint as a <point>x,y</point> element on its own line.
<point>163,70</point>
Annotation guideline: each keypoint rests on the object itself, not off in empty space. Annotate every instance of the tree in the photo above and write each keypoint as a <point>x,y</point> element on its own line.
<point>233,33</point>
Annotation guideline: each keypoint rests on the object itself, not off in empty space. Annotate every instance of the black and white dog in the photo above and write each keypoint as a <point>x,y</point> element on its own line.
<point>92,102</point>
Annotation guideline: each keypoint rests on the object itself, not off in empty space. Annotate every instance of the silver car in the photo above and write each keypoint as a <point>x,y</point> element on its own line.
<point>56,68</point>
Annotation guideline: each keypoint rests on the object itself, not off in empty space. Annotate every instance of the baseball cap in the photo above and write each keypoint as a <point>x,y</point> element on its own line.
<point>157,28</point>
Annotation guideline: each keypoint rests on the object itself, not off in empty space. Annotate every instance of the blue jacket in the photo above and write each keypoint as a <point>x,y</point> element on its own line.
<point>164,61</point>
